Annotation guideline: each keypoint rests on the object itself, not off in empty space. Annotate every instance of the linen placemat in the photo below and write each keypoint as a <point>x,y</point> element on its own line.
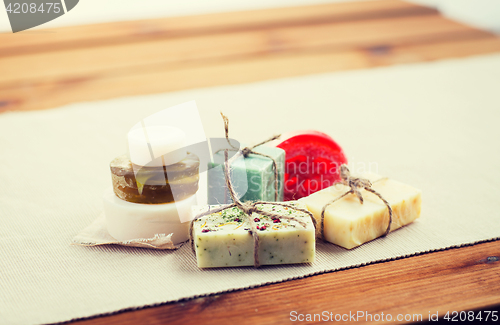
<point>431,125</point>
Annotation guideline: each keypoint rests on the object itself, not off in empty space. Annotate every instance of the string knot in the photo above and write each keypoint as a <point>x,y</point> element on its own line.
<point>248,208</point>
<point>355,184</point>
<point>246,151</point>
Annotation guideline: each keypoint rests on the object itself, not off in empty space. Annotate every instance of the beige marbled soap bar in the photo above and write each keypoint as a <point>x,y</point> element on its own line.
<point>348,223</point>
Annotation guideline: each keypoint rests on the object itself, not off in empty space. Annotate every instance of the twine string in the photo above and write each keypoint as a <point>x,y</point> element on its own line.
<point>355,184</point>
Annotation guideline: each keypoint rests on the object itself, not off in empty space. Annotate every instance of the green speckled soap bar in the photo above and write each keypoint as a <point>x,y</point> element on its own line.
<point>223,239</point>
<point>259,177</point>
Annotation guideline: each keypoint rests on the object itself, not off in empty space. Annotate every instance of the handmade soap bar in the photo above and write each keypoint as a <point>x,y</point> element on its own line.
<point>223,239</point>
<point>126,220</point>
<point>259,176</point>
<point>348,223</point>
<point>312,158</point>
<point>153,185</point>
<point>156,145</point>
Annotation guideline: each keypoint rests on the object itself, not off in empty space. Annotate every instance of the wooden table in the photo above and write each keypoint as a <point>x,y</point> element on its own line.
<point>48,68</point>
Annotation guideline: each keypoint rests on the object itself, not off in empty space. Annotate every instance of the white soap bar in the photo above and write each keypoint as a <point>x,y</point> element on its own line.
<point>126,220</point>
<point>156,146</point>
<point>348,223</point>
<point>223,239</point>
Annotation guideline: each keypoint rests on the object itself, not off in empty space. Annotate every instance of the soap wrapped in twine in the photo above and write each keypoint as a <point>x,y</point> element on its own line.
<point>355,184</point>
<point>249,150</point>
<point>251,206</point>
<point>248,208</point>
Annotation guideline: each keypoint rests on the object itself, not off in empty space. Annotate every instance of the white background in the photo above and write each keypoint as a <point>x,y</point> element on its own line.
<point>480,13</point>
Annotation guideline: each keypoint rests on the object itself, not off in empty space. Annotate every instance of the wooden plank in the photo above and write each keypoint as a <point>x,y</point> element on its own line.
<point>458,279</point>
<point>161,78</point>
<point>146,30</point>
<point>133,57</point>
<point>236,53</point>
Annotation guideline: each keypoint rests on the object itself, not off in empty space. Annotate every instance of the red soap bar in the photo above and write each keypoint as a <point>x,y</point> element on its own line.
<point>312,162</point>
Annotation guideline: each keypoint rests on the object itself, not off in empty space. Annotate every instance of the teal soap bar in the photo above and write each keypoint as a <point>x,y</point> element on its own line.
<point>252,177</point>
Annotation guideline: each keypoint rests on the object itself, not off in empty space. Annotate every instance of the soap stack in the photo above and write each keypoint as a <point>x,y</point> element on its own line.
<point>246,222</point>
<point>154,186</point>
<point>225,237</point>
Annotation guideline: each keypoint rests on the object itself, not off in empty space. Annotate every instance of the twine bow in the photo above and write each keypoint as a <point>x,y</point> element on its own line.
<point>355,184</point>
<point>249,150</point>
<point>248,208</point>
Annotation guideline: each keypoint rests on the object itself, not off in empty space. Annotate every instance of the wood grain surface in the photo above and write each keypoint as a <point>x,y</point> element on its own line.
<point>48,68</point>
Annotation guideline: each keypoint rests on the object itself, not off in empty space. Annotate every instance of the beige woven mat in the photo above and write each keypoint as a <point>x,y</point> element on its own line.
<point>434,126</point>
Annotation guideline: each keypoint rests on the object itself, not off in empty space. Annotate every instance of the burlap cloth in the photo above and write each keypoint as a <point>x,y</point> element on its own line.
<point>433,126</point>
